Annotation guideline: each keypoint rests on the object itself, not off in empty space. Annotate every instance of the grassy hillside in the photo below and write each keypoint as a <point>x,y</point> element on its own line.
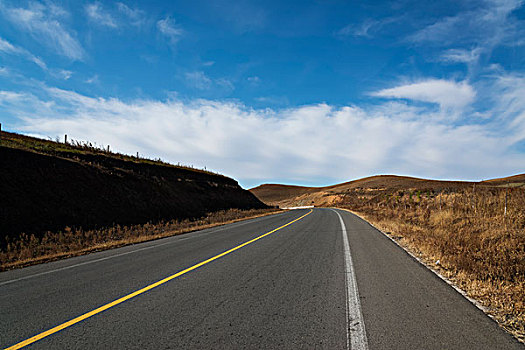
<point>288,195</point>
<point>47,186</point>
<point>471,232</point>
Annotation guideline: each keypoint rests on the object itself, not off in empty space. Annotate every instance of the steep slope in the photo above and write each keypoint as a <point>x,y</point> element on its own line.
<point>53,186</point>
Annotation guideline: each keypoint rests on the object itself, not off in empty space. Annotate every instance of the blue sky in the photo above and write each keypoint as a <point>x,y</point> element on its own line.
<point>299,92</point>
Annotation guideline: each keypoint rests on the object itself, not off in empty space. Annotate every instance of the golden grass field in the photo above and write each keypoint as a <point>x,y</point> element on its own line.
<point>460,229</point>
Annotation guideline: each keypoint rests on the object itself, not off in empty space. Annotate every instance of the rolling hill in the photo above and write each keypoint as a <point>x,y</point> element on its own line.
<point>289,195</point>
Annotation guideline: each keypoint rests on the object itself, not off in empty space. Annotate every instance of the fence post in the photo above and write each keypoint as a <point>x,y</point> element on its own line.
<point>505,210</point>
<point>474,204</point>
<point>65,139</point>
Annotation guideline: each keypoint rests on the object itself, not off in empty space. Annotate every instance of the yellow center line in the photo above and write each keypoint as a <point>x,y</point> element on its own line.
<point>141,291</point>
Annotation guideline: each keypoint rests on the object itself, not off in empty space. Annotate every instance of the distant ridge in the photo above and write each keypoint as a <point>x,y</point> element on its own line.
<point>289,195</point>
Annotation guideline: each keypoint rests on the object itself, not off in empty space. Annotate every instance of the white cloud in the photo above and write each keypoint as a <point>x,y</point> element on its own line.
<point>273,100</point>
<point>447,94</point>
<point>63,74</point>
<point>487,25</point>
<point>93,80</point>
<point>439,31</point>
<point>6,96</point>
<point>170,29</point>
<point>42,22</point>
<point>6,46</point>
<point>137,17</point>
<point>305,144</point>
<point>461,56</point>
<point>198,80</point>
<point>254,80</point>
<point>97,14</point>
<point>362,30</point>
<point>225,83</point>
<point>367,28</point>
<point>9,48</point>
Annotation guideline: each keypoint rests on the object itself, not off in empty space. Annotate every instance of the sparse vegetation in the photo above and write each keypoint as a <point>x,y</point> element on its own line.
<point>30,249</point>
<point>75,149</point>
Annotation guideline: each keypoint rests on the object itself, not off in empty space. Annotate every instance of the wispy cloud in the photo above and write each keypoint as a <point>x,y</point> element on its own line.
<point>63,74</point>
<point>98,15</point>
<point>93,80</point>
<point>43,23</point>
<point>446,93</point>
<point>461,55</point>
<point>7,47</point>
<point>254,80</point>
<point>10,96</point>
<point>243,142</point>
<point>367,28</point>
<point>490,24</point>
<point>199,80</point>
<point>280,101</point>
<point>135,16</point>
<point>170,30</point>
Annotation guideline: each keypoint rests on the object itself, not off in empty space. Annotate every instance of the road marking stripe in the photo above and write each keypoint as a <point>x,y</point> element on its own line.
<point>133,251</point>
<point>356,333</point>
<point>143,290</point>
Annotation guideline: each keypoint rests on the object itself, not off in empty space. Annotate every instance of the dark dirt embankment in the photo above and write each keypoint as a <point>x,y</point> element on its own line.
<point>42,192</point>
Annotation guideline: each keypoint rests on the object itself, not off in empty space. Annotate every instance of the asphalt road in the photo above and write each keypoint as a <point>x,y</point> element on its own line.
<point>298,287</point>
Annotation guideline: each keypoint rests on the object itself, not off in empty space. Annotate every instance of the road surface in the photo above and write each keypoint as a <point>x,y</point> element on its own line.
<point>302,279</point>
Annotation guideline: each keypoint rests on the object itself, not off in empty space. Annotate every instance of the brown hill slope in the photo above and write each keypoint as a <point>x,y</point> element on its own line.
<point>511,181</point>
<point>288,195</point>
<point>46,186</point>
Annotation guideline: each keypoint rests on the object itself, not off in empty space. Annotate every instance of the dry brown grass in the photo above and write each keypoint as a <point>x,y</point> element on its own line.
<point>30,250</point>
<point>476,245</point>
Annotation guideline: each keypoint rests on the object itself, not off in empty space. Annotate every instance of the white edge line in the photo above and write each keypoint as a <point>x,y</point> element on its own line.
<point>222,228</point>
<point>355,330</point>
<point>446,280</point>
